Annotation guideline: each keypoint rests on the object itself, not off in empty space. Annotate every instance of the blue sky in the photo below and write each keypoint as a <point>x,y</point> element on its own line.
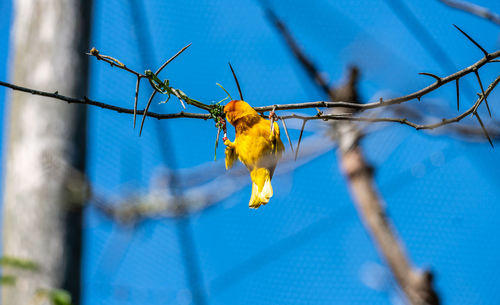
<point>308,245</point>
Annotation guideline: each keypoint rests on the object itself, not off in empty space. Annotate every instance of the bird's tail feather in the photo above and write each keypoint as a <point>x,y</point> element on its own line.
<point>261,197</point>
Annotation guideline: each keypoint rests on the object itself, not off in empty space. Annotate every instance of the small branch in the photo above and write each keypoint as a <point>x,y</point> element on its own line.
<point>320,104</point>
<point>87,101</point>
<point>113,62</point>
<point>393,101</point>
<point>473,9</point>
<point>306,63</point>
<point>443,122</point>
<point>155,77</point>
<point>325,117</point>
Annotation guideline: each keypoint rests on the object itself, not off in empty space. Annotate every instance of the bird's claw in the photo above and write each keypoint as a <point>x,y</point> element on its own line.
<point>273,116</point>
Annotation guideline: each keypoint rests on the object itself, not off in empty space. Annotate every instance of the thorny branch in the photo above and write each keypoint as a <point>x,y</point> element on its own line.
<point>87,101</point>
<point>164,88</point>
<point>342,117</point>
<point>382,103</point>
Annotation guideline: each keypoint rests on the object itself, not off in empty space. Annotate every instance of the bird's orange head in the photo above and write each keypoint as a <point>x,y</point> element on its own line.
<point>237,109</point>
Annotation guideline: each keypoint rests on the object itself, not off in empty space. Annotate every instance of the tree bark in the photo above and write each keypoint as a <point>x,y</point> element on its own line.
<point>44,193</point>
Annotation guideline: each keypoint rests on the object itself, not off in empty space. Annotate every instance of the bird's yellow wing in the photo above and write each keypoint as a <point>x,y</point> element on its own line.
<point>231,155</point>
<point>277,145</point>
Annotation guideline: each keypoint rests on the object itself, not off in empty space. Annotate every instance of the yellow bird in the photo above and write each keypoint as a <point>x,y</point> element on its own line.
<point>254,146</point>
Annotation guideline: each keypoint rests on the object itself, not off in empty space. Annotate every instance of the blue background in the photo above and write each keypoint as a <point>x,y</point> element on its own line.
<point>308,245</point>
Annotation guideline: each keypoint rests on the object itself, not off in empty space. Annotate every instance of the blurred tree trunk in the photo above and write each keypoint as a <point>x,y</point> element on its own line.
<point>44,193</point>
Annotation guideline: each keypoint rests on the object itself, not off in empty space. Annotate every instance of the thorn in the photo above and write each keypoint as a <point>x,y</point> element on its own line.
<point>484,128</point>
<point>482,90</point>
<point>182,103</point>
<point>172,58</point>
<point>217,143</point>
<point>473,41</point>
<point>458,94</point>
<point>236,80</point>
<point>146,111</point>
<point>418,98</point>
<point>286,133</point>
<point>438,79</point>
<point>136,98</point>
<point>300,139</point>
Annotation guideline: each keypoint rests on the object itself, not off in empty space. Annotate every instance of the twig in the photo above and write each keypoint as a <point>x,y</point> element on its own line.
<point>343,117</point>
<point>325,117</point>
<point>383,103</point>
<point>113,62</point>
<point>154,87</point>
<point>308,65</point>
<point>292,106</point>
<point>87,101</point>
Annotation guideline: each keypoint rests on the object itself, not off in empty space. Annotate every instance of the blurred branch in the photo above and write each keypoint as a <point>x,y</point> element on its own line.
<point>157,202</point>
<point>473,9</point>
<point>416,285</point>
